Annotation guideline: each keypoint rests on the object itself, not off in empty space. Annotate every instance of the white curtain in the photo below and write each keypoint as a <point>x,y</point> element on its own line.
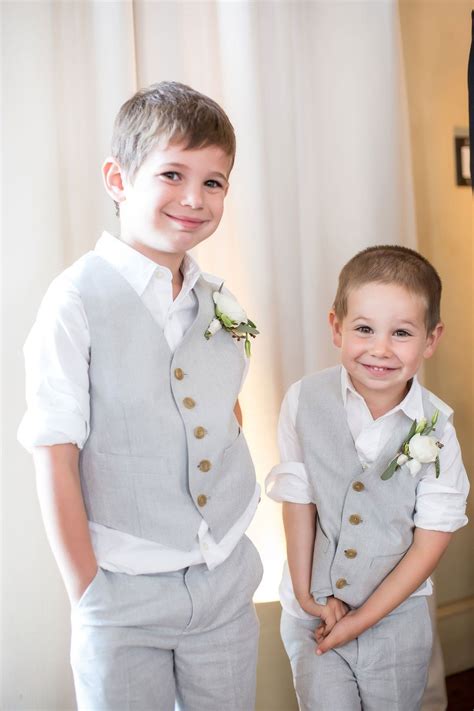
<point>315,92</point>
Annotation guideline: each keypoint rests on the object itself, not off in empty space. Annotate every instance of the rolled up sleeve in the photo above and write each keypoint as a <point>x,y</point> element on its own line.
<point>289,481</point>
<point>441,502</point>
<point>57,371</point>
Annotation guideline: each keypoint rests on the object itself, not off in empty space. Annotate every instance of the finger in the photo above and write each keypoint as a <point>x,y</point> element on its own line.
<point>320,631</point>
<point>326,630</point>
<point>325,645</point>
<point>330,620</point>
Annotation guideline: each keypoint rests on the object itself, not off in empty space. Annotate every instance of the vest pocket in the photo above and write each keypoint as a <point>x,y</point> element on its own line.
<point>321,543</point>
<point>382,565</point>
<point>237,454</point>
<point>128,463</point>
<point>124,491</point>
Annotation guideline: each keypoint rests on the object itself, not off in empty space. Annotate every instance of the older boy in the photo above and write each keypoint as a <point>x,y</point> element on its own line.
<point>370,500</point>
<point>145,480</point>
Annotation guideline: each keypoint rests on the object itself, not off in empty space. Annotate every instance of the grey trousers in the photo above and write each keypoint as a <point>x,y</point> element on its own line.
<point>385,669</point>
<point>142,642</point>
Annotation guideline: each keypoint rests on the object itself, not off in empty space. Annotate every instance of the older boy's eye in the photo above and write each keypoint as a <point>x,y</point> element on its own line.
<point>213,184</point>
<point>171,175</point>
<point>364,329</point>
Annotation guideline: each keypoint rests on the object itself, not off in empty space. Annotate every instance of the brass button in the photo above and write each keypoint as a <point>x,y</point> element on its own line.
<point>341,583</point>
<point>189,403</point>
<point>350,552</point>
<point>204,465</point>
<point>358,486</point>
<point>355,519</point>
<point>199,432</point>
<point>202,500</point>
<point>178,374</point>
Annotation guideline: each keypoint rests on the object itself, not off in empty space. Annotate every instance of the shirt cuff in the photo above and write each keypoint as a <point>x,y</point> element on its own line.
<point>46,430</point>
<point>288,481</point>
<point>440,508</point>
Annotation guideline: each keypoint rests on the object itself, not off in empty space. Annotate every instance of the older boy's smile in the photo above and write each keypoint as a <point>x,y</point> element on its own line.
<point>175,200</point>
<point>190,223</point>
<point>383,341</point>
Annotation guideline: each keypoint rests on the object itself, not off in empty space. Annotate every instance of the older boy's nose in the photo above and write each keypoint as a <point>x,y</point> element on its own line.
<point>192,198</point>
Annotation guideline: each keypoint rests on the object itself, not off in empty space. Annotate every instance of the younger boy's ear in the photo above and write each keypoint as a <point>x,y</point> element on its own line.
<point>432,340</point>
<point>336,328</point>
<point>113,180</point>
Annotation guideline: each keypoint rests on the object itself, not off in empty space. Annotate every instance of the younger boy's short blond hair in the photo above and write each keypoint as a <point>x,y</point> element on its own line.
<point>391,264</point>
<point>164,113</point>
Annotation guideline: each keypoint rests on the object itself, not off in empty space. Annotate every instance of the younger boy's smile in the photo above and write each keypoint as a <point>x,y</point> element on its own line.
<point>383,341</point>
<point>377,369</point>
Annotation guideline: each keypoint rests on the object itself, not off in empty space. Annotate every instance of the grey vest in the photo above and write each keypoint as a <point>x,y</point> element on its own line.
<point>364,525</point>
<point>165,449</point>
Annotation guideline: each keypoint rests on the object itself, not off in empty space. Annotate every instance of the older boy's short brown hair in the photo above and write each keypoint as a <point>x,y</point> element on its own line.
<point>168,112</point>
<point>391,264</point>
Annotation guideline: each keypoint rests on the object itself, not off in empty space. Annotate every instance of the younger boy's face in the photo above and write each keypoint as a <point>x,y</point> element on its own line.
<point>176,198</point>
<point>383,340</point>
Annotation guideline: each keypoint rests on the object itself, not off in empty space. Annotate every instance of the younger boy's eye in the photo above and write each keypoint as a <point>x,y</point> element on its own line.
<point>171,175</point>
<point>364,329</point>
<point>401,333</point>
<point>213,184</point>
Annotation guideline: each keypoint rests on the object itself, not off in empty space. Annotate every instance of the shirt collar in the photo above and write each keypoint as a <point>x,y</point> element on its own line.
<point>411,405</point>
<point>138,269</point>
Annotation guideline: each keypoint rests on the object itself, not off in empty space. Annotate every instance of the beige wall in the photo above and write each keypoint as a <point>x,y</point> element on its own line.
<point>436,40</point>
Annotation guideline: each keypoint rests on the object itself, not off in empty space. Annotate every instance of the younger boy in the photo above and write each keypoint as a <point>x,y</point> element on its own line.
<point>366,515</point>
<point>145,480</point>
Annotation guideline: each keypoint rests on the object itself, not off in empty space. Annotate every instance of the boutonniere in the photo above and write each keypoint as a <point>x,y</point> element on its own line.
<point>418,448</point>
<point>231,316</point>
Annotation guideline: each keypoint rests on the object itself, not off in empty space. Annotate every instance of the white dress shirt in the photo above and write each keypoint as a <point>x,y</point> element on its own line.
<point>57,393</point>
<point>440,503</point>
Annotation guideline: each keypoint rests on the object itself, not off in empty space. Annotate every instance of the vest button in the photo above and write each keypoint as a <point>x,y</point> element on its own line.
<point>204,465</point>
<point>202,500</point>
<point>199,432</point>
<point>189,403</point>
<point>350,552</point>
<point>341,583</point>
<point>178,374</point>
<point>358,486</point>
<point>355,519</point>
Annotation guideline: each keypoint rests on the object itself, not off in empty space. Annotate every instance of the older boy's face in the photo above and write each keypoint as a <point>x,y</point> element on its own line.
<point>383,340</point>
<point>176,198</point>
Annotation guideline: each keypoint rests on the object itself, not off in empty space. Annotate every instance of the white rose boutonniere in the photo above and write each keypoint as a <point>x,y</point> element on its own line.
<point>231,316</point>
<point>418,448</point>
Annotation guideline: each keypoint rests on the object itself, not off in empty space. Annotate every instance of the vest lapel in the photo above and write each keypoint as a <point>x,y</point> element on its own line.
<point>343,440</point>
<point>126,291</point>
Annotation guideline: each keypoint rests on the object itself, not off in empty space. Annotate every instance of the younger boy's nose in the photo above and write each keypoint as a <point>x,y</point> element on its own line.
<point>381,347</point>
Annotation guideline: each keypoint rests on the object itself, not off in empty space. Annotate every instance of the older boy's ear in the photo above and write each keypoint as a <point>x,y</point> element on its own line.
<point>113,180</point>
<point>432,340</point>
<point>336,328</point>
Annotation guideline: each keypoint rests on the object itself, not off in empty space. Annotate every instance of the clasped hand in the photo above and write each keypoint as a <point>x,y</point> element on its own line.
<point>337,622</point>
